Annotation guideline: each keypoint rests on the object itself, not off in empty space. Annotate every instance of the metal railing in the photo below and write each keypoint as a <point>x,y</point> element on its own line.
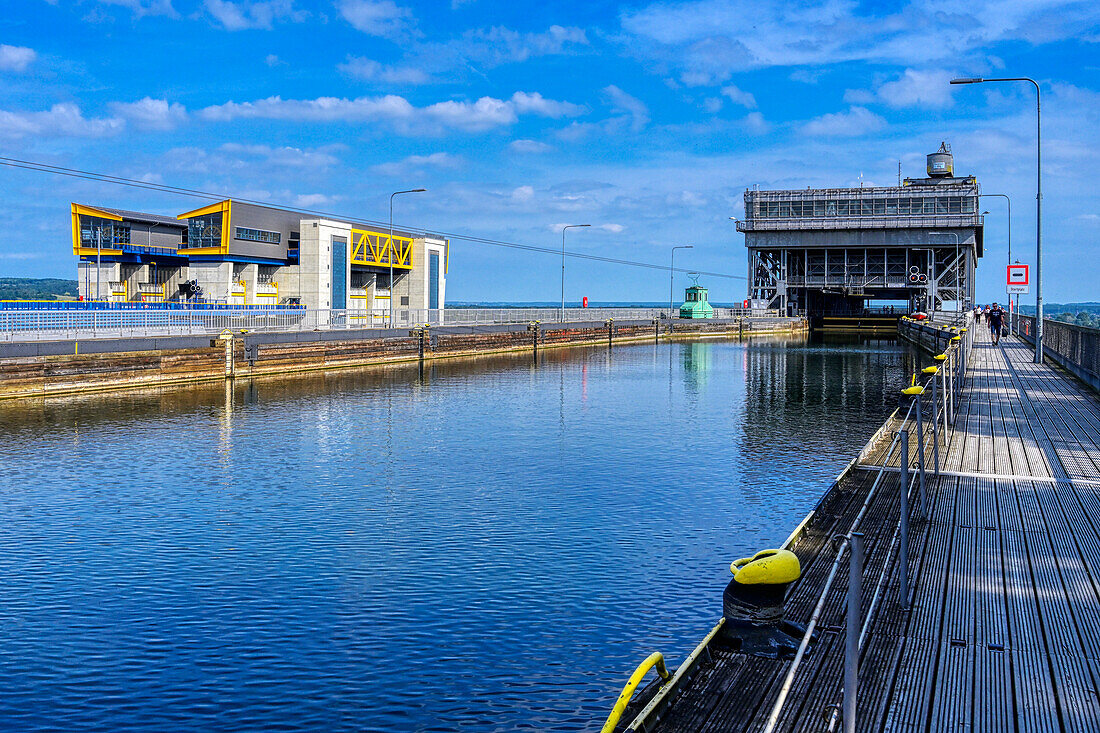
<point>951,372</point>
<point>57,324</point>
<point>1077,348</point>
<point>946,387</point>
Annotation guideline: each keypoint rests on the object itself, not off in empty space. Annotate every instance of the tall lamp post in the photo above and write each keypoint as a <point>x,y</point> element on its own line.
<point>389,255</point>
<point>1038,203</point>
<point>672,274</point>
<point>958,286</point>
<point>1007,199</point>
<point>567,226</point>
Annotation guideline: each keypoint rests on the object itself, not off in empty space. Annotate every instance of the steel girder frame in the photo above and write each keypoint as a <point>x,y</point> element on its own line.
<point>768,277</point>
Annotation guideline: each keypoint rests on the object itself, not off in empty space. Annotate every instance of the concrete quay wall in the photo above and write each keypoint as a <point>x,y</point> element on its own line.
<point>73,367</point>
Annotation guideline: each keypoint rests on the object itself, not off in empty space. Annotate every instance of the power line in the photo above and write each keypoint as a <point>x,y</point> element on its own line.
<point>165,188</point>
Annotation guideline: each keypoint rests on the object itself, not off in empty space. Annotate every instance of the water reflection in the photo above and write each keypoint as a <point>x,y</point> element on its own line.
<point>392,548</point>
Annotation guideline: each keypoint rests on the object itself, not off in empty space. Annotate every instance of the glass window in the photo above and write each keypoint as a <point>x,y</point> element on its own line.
<point>110,232</point>
<point>842,207</point>
<point>954,205</point>
<point>941,204</point>
<point>205,230</point>
<point>891,206</point>
<point>819,208</point>
<point>968,205</point>
<point>930,205</point>
<point>879,206</point>
<point>903,205</point>
<point>867,208</point>
<point>830,208</point>
<point>257,235</point>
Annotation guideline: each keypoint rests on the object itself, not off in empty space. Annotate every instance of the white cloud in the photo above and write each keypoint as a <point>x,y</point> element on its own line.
<point>313,200</point>
<point>381,18</point>
<point>735,95</point>
<point>755,123</point>
<point>272,60</point>
<point>712,105</point>
<point>916,87</point>
<point>523,193</point>
<point>371,70</point>
<point>287,157</point>
<point>853,123</point>
<point>498,45</point>
<point>715,37</point>
<point>61,120</point>
<point>859,96</point>
<point>245,14</point>
<point>630,107</point>
<point>613,228</point>
<point>151,114</point>
<point>417,163</point>
<point>15,58</point>
<point>484,114</point>
<point>535,103</point>
<point>142,8</point>
<point>528,146</point>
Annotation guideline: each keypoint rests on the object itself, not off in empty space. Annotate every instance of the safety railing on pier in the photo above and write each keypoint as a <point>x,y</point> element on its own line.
<point>931,410</point>
<point>57,324</point>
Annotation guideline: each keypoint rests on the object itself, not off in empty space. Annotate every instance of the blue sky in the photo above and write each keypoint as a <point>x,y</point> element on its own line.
<point>647,120</point>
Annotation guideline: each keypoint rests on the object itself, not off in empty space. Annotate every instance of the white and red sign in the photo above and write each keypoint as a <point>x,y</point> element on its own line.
<point>1019,279</point>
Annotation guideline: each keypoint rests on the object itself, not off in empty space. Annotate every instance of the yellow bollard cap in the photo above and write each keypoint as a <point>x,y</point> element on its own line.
<point>940,357</point>
<point>767,567</point>
<point>914,390</point>
<point>956,338</point>
<point>963,329</point>
<point>931,370</point>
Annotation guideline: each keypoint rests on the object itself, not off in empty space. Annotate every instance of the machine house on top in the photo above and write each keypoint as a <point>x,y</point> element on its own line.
<point>238,253</point>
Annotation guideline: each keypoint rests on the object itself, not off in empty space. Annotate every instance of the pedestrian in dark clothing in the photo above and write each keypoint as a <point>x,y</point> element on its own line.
<point>996,319</point>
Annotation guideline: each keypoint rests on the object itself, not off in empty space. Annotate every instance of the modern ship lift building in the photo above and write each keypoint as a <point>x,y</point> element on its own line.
<point>828,251</point>
<point>239,253</point>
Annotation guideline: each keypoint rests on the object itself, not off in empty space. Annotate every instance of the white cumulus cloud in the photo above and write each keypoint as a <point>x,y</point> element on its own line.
<point>371,70</point>
<point>915,87</point>
<point>61,120</point>
<point>528,146</point>
<point>237,15</point>
<point>381,18</point>
<point>628,106</point>
<point>737,96</point>
<point>852,123</point>
<point>151,114</point>
<point>15,58</point>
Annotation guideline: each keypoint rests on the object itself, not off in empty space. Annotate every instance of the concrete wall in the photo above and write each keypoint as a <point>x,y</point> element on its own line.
<point>261,217</point>
<point>417,281</point>
<point>315,261</point>
<point>213,277</point>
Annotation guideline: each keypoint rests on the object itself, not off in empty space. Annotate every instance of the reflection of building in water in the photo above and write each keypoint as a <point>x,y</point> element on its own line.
<point>696,358</point>
<point>809,395</point>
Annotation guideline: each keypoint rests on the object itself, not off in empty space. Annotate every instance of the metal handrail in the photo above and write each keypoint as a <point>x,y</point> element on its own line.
<point>656,659</point>
<point>959,350</point>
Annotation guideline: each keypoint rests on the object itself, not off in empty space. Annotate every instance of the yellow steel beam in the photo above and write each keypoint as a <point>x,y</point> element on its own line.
<point>379,249</point>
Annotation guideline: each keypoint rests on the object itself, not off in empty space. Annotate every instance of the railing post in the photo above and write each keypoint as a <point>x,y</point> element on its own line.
<point>935,433</point>
<point>920,451</point>
<point>851,646</point>
<point>903,532</point>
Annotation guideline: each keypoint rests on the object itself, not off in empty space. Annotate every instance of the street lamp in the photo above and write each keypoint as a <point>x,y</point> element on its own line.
<point>1038,203</point>
<point>389,255</point>
<point>958,287</point>
<point>567,226</point>
<point>672,275</point>
<point>1007,199</point>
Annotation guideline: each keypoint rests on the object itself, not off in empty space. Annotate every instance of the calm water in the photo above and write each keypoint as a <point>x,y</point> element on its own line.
<point>493,545</point>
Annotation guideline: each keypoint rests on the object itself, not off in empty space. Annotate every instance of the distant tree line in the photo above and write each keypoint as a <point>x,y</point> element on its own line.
<point>1081,318</point>
<point>25,288</point>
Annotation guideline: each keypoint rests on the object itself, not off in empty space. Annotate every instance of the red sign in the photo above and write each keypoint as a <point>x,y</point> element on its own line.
<point>584,302</point>
<point>1018,275</point>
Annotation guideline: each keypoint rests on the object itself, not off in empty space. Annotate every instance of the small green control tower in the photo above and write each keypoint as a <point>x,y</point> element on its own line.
<point>696,304</point>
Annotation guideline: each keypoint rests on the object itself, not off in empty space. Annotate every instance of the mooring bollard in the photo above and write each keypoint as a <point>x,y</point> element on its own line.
<point>903,532</point>
<point>851,645</point>
<point>610,331</point>
<point>533,327</point>
<point>656,330</point>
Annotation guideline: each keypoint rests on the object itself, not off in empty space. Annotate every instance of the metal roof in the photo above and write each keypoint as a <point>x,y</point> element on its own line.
<point>142,217</point>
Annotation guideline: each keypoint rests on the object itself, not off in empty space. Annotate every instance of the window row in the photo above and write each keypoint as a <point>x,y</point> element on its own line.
<point>906,206</point>
<point>257,235</point>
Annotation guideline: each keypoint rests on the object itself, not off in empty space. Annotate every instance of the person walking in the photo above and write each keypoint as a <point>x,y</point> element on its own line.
<point>996,320</point>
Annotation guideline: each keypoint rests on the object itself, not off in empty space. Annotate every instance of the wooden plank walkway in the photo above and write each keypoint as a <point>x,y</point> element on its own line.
<point>1004,629</point>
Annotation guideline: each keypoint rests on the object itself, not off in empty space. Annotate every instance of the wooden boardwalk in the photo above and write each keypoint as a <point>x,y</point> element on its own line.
<point>1004,629</point>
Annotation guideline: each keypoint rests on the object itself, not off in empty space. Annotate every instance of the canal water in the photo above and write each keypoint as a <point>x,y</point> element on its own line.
<point>490,545</point>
